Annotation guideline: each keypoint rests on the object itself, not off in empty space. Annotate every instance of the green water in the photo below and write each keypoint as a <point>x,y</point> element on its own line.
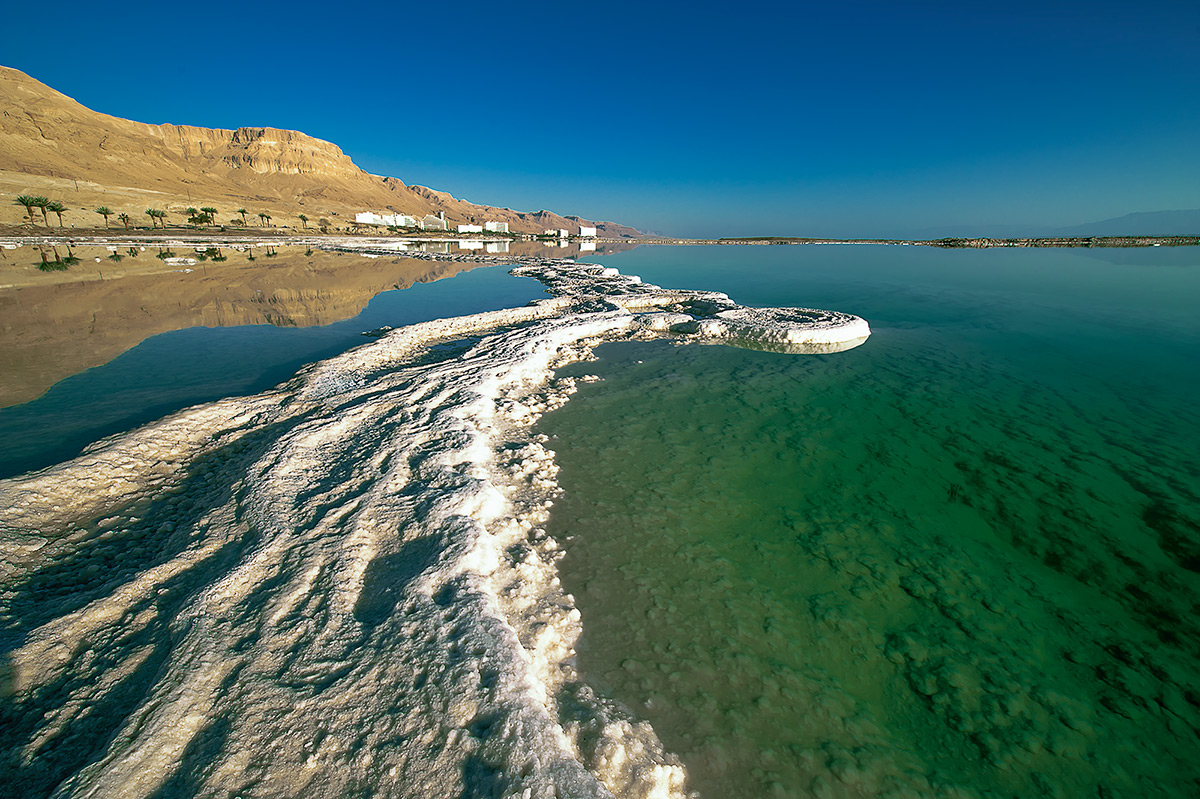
<point>960,560</point>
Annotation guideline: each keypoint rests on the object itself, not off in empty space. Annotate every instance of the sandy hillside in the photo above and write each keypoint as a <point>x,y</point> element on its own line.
<point>53,146</point>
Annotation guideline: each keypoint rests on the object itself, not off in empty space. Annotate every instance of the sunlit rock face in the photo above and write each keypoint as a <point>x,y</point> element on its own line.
<point>53,145</point>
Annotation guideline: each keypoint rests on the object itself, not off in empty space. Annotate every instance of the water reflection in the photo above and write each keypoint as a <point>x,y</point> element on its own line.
<point>67,309</point>
<point>789,347</point>
<point>213,355</point>
<point>556,248</point>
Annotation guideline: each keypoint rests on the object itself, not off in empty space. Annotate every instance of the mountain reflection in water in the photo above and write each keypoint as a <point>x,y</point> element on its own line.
<point>111,299</point>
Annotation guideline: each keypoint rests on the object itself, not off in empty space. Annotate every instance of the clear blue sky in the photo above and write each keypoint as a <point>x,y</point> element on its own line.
<point>837,118</point>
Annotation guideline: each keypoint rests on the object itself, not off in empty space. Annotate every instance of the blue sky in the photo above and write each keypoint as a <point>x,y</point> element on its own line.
<point>840,119</point>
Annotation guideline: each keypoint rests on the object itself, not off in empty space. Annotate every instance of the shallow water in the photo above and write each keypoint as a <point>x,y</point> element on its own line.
<point>960,558</point>
<point>184,367</point>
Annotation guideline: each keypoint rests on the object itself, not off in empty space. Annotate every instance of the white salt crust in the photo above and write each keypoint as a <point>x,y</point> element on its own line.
<point>344,583</point>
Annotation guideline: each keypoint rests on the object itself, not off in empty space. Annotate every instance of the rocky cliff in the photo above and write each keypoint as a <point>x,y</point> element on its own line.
<point>52,145</point>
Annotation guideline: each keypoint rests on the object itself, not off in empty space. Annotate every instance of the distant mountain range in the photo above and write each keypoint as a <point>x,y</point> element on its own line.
<point>51,145</point>
<point>1144,223</point>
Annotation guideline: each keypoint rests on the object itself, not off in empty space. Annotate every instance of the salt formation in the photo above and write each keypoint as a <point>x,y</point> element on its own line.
<point>341,586</point>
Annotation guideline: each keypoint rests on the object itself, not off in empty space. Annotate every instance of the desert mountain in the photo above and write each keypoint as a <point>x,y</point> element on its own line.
<point>52,145</point>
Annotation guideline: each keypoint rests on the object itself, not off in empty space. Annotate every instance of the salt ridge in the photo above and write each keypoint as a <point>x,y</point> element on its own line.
<point>346,581</point>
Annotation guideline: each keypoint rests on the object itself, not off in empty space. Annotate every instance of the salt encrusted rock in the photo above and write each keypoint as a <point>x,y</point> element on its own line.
<point>707,314</point>
<point>349,575</point>
<point>661,321</point>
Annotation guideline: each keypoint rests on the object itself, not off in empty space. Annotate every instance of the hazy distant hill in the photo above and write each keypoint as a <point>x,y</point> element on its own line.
<point>1146,223</point>
<point>52,145</point>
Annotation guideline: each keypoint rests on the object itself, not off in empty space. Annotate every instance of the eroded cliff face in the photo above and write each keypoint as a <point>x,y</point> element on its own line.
<point>46,136</point>
<point>288,152</point>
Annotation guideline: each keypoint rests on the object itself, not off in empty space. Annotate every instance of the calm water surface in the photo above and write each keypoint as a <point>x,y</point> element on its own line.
<point>959,560</point>
<point>174,370</point>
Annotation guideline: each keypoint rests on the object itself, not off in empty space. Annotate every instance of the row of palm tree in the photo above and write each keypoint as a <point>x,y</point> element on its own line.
<point>205,215</point>
<point>43,204</point>
<point>60,263</point>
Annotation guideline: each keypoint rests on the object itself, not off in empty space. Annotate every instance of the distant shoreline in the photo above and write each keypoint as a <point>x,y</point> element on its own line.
<point>963,243</point>
<point>251,237</point>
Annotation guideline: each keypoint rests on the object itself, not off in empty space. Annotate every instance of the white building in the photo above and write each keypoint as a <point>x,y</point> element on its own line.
<point>470,244</point>
<point>587,232</point>
<point>470,228</point>
<point>431,222</point>
<point>497,246</point>
<point>495,227</point>
<point>391,220</point>
<point>587,246</point>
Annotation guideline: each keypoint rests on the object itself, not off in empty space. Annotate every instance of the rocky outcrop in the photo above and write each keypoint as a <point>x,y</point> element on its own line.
<point>287,152</point>
<point>45,134</point>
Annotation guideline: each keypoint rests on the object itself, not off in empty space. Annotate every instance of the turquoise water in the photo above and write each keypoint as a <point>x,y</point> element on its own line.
<point>186,367</point>
<point>960,560</point>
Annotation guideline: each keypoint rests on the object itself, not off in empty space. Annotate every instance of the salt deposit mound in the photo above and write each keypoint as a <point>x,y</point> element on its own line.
<point>340,586</point>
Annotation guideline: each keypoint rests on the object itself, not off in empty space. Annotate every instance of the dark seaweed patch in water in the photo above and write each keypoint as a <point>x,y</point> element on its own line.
<point>1178,536</point>
<point>984,604</point>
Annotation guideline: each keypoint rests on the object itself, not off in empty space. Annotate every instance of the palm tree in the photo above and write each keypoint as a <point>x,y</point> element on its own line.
<point>264,218</point>
<point>153,214</point>
<point>162,218</point>
<point>47,265</point>
<point>105,212</point>
<point>29,201</point>
<point>124,218</point>
<point>210,212</point>
<point>242,211</point>
<point>42,204</point>
<point>57,208</point>
<point>191,211</point>
<point>304,221</point>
